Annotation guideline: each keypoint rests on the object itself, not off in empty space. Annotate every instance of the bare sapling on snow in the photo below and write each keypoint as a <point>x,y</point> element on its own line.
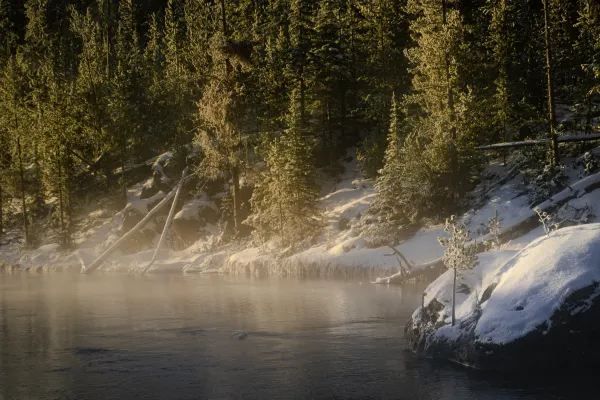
<point>458,255</point>
<point>494,226</point>
<point>548,220</point>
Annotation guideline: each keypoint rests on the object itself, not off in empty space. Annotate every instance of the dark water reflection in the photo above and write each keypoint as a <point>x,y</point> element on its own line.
<point>68,336</point>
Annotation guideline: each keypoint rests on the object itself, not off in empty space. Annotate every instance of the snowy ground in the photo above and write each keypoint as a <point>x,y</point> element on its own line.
<point>341,250</point>
<point>527,287</point>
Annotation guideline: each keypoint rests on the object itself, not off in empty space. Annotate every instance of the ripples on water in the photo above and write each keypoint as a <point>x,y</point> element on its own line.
<point>66,336</point>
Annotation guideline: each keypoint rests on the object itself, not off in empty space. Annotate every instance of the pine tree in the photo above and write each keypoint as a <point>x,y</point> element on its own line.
<point>284,200</point>
<point>390,217</point>
<point>222,116</point>
<point>8,28</point>
<point>552,133</point>
<point>384,40</point>
<point>501,42</point>
<point>300,32</point>
<point>588,45</point>
<point>126,129</point>
<point>330,67</point>
<point>13,92</point>
<point>438,153</point>
<point>200,23</point>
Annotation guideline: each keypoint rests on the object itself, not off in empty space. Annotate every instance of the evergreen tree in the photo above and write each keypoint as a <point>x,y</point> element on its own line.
<point>552,133</point>
<point>126,131</point>
<point>330,66</point>
<point>501,43</point>
<point>222,116</point>
<point>390,217</point>
<point>438,154</point>
<point>588,45</point>
<point>300,31</point>
<point>13,91</point>
<point>284,200</point>
<point>9,30</point>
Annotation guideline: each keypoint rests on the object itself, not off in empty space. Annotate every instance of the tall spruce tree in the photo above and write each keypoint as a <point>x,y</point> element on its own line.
<point>390,216</point>
<point>588,46</point>
<point>222,117</point>
<point>13,97</point>
<point>438,155</point>
<point>501,43</point>
<point>284,200</point>
<point>550,85</point>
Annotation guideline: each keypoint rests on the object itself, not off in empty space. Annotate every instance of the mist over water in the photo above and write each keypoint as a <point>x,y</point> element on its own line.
<point>71,336</point>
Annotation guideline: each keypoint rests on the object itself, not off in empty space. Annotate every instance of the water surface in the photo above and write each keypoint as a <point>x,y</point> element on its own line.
<point>71,336</point>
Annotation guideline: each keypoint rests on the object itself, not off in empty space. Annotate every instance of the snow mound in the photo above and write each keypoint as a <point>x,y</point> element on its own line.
<point>533,285</point>
<point>511,294</point>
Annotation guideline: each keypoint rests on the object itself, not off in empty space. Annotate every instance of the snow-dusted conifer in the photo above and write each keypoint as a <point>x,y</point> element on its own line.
<point>389,212</point>
<point>284,200</point>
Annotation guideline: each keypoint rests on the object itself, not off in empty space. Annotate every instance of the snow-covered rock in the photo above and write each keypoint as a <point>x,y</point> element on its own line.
<point>538,307</point>
<point>196,219</point>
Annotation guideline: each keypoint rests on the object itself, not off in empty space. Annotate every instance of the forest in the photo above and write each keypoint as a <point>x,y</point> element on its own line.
<point>263,97</point>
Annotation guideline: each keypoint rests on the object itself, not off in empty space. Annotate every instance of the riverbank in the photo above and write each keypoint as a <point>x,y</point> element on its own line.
<point>343,250</point>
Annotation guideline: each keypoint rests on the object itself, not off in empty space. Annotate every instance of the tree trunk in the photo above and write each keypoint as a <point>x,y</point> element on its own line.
<point>235,177</point>
<point>228,66</point>
<point>223,19</point>
<point>454,298</point>
<point>98,261</point>
<point>504,77</point>
<point>67,194</point>
<point>451,109</point>
<point>23,201</point>
<point>123,173</point>
<point>168,222</point>
<point>1,212</point>
<point>550,86</point>
<point>588,115</point>
<point>61,203</point>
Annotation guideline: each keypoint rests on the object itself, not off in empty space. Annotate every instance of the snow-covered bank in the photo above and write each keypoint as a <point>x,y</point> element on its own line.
<point>343,249</point>
<point>537,307</point>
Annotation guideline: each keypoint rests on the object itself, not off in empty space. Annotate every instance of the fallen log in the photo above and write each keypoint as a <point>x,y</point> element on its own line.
<point>526,224</point>
<point>168,221</point>
<point>98,261</point>
<point>538,142</point>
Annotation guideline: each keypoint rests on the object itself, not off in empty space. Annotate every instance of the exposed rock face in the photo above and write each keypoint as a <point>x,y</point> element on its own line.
<point>154,185</point>
<point>195,220</point>
<point>538,310</point>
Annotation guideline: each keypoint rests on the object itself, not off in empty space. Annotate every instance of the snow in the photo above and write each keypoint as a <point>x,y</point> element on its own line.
<point>191,209</point>
<point>161,161</point>
<point>534,284</point>
<point>530,285</point>
<point>341,247</point>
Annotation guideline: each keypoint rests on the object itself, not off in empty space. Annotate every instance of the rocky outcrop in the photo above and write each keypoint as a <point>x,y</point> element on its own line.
<point>538,310</point>
<point>195,220</point>
<point>570,339</point>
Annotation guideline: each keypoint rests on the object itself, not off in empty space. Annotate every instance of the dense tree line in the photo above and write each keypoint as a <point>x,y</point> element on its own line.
<point>91,87</point>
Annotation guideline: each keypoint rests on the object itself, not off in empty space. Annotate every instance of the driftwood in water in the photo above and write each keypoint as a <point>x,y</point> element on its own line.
<point>526,224</point>
<point>98,261</point>
<point>168,221</point>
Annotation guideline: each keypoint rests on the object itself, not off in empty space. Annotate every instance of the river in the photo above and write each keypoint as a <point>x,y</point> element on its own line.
<point>112,336</point>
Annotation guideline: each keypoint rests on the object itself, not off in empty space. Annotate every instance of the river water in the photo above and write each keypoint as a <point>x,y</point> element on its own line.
<point>71,336</point>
